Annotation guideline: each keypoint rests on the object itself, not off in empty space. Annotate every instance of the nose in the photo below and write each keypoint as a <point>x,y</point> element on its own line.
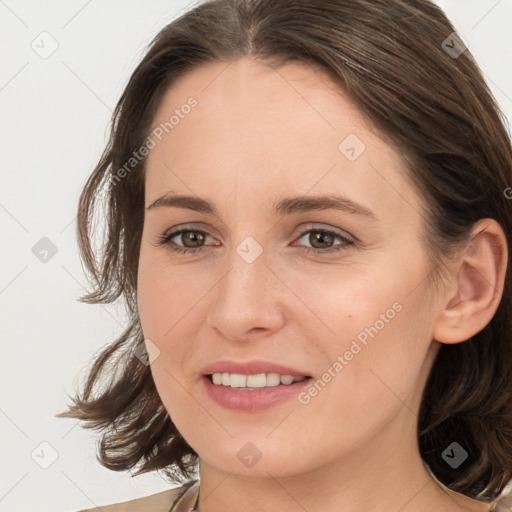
<point>247,299</point>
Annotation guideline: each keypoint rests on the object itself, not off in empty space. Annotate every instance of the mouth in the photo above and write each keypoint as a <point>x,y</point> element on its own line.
<point>254,381</point>
<point>252,385</point>
<point>252,393</point>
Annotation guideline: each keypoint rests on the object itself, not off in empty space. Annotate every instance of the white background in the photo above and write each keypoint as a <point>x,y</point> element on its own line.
<point>54,118</point>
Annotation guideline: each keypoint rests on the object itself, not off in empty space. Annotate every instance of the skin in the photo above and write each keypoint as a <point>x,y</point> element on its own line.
<point>259,134</point>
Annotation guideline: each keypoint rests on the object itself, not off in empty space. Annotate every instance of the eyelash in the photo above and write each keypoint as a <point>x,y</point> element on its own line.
<point>165,240</point>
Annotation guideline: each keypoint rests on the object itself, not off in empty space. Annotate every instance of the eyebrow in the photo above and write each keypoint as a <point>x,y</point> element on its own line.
<point>283,206</point>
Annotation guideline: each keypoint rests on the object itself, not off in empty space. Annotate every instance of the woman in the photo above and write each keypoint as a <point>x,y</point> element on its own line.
<point>309,222</point>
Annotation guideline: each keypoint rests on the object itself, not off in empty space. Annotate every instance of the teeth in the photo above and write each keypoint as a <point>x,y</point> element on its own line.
<point>261,380</point>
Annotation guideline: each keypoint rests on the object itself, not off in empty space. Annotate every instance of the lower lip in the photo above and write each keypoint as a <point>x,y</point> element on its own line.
<point>252,400</point>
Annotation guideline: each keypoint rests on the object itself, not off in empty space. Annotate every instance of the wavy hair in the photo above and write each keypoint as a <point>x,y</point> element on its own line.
<point>395,60</point>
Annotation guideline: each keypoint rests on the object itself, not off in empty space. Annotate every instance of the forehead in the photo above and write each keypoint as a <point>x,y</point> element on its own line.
<point>257,94</point>
<point>260,127</point>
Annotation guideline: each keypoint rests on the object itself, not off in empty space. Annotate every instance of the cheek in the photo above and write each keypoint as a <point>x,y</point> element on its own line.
<point>171,315</point>
<point>375,368</point>
<point>165,293</point>
<point>376,327</point>
<point>342,303</point>
<point>163,303</point>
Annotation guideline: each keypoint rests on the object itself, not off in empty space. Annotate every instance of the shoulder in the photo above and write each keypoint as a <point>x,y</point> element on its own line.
<point>159,502</point>
<point>504,502</point>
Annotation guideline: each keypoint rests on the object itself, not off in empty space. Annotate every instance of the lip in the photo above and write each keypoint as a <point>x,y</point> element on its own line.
<point>252,400</point>
<point>253,367</point>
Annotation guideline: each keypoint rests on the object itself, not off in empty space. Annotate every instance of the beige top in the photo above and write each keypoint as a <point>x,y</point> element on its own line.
<point>179,499</point>
<point>186,497</point>
<point>503,503</point>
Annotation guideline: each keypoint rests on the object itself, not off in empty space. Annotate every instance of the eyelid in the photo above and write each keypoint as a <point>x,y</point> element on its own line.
<point>318,226</point>
<point>300,231</point>
<point>347,240</point>
<point>189,227</point>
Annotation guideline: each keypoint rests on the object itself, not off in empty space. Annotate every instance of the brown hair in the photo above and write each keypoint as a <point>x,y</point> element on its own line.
<point>435,107</point>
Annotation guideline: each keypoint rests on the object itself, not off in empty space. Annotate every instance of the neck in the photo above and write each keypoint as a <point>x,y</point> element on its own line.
<point>383,475</point>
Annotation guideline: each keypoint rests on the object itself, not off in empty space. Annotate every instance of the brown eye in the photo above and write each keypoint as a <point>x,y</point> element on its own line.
<point>321,241</point>
<point>192,240</point>
<point>320,238</point>
<point>194,237</point>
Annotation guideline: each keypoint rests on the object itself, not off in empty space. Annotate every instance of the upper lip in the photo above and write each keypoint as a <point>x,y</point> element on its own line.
<point>253,367</point>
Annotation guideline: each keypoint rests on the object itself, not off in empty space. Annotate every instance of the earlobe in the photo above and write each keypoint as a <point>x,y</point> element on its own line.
<point>477,278</point>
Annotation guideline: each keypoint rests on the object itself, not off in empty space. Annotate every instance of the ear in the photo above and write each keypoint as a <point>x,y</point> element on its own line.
<point>475,285</point>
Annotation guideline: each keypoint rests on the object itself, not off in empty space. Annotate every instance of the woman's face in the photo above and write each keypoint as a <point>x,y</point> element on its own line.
<point>353,309</point>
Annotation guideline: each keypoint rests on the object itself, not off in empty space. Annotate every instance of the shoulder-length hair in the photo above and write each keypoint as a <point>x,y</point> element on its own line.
<point>404,67</point>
